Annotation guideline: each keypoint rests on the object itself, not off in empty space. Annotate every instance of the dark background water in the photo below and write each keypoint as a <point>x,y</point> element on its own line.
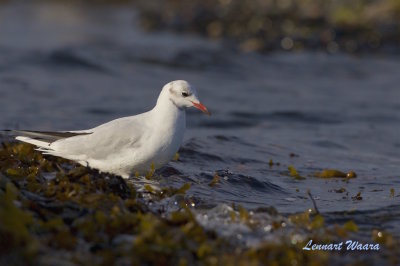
<point>65,67</point>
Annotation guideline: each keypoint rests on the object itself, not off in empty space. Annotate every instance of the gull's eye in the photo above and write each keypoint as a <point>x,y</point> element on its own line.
<point>185,94</point>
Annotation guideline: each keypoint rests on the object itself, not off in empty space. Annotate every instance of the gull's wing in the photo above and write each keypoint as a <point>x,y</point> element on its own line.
<point>101,142</point>
<point>107,140</point>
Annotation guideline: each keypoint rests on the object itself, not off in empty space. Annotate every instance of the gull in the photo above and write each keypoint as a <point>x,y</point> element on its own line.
<point>126,146</point>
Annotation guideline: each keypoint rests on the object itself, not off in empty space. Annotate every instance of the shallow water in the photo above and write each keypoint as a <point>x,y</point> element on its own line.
<point>66,67</point>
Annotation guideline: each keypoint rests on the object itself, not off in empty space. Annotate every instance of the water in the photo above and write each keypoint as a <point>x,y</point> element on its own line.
<point>66,67</point>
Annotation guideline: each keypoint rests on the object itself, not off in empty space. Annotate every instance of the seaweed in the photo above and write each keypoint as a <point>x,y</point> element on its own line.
<point>54,211</point>
<point>331,173</point>
<point>392,192</point>
<point>357,197</point>
<point>294,173</point>
<point>215,180</point>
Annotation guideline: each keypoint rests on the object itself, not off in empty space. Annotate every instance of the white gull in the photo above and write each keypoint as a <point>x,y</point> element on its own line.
<point>128,145</point>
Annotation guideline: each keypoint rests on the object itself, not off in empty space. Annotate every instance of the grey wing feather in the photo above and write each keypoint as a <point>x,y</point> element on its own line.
<point>48,135</point>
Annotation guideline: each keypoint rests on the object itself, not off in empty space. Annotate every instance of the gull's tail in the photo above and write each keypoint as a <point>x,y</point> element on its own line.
<point>39,143</point>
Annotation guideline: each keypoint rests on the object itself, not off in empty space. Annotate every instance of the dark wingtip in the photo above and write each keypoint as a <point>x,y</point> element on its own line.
<point>8,131</point>
<point>5,132</point>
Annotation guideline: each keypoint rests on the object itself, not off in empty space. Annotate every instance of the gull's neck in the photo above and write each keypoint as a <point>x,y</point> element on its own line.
<point>167,114</point>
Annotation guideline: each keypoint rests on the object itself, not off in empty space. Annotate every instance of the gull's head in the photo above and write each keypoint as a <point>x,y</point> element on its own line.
<point>183,95</point>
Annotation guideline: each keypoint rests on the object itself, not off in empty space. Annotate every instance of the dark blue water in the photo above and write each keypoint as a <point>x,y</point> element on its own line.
<point>65,67</point>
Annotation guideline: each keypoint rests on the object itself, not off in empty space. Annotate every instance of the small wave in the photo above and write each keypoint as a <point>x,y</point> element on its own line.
<point>190,154</point>
<point>71,58</point>
<point>168,171</point>
<point>189,59</point>
<point>329,144</point>
<point>99,111</point>
<point>191,151</point>
<point>232,139</point>
<point>228,123</point>
<point>238,181</point>
<point>293,116</point>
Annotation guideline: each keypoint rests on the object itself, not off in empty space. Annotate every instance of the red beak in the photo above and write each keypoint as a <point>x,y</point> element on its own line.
<point>201,107</point>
